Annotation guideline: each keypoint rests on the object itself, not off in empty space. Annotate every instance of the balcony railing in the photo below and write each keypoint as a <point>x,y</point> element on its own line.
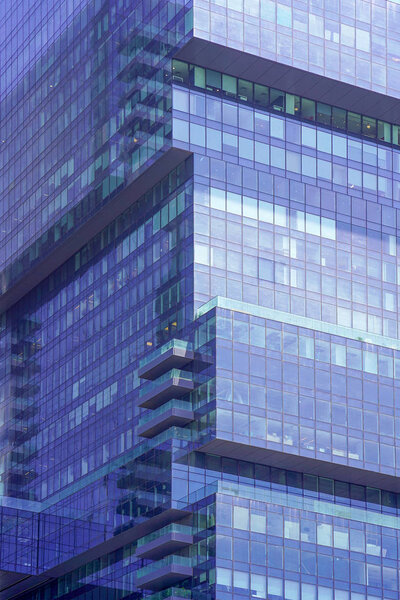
<point>165,572</point>
<point>172,592</point>
<point>169,539</point>
<point>174,383</point>
<point>174,412</point>
<point>173,354</point>
<point>171,528</point>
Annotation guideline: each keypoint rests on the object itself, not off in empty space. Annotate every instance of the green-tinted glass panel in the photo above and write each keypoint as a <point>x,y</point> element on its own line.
<point>384,132</point>
<point>342,489</point>
<point>396,135</point>
<point>389,499</point>
<point>325,486</point>
<point>261,95</point>
<point>199,77</point>
<point>373,495</point>
<point>277,100</point>
<point>293,104</point>
<point>213,80</point>
<point>357,492</point>
<point>338,118</point>
<point>354,122</point>
<point>324,113</point>
<point>229,86</point>
<point>308,109</point>
<point>369,127</point>
<point>180,72</point>
<point>245,90</point>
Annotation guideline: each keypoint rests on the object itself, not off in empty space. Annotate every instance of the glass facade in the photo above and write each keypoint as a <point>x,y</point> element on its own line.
<point>273,100</point>
<point>354,41</point>
<point>87,116</point>
<point>200,269</point>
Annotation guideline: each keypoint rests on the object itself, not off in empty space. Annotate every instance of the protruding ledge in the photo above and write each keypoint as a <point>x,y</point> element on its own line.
<point>14,591</point>
<point>13,585</point>
<point>170,540</point>
<point>164,575</point>
<point>168,418</point>
<point>73,242</point>
<point>294,462</point>
<point>172,357</point>
<point>290,79</point>
<point>172,385</point>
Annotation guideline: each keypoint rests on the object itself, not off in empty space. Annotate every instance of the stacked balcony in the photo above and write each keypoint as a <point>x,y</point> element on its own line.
<point>172,384</point>
<point>167,384</point>
<point>174,354</point>
<point>174,412</point>
<point>167,540</point>
<point>165,572</point>
<point>171,593</point>
<point>165,547</point>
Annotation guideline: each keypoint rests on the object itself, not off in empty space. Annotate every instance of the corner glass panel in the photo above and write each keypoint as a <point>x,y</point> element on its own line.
<point>369,127</point>
<point>245,90</point>
<point>293,105</point>
<point>180,72</point>
<point>354,122</point>
<point>324,113</point>
<point>308,109</point>
<point>277,100</point>
<point>261,95</point>
<point>338,118</point>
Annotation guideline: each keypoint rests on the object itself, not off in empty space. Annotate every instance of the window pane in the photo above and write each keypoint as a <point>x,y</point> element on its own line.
<point>199,77</point>
<point>308,109</point>
<point>338,118</point>
<point>261,95</point>
<point>180,71</point>
<point>293,104</point>
<point>213,80</point>
<point>245,90</point>
<point>229,86</point>
<point>354,122</point>
<point>277,100</point>
<point>369,127</point>
<point>384,132</point>
<point>396,135</point>
<point>324,113</point>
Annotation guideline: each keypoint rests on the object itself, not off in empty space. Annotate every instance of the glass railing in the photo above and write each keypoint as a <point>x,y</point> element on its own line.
<point>181,344</point>
<point>174,403</point>
<point>173,559</point>
<point>146,472</point>
<point>172,528</point>
<point>170,592</point>
<point>278,101</point>
<point>149,386</point>
<point>149,497</point>
<point>172,433</point>
<point>273,314</point>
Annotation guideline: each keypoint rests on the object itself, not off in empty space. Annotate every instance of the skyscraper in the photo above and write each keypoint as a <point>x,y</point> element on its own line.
<point>199,320</point>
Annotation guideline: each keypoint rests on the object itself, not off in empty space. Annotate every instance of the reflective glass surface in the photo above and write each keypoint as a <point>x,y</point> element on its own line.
<point>83,119</point>
<point>202,401</point>
<point>273,100</point>
<point>356,42</point>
